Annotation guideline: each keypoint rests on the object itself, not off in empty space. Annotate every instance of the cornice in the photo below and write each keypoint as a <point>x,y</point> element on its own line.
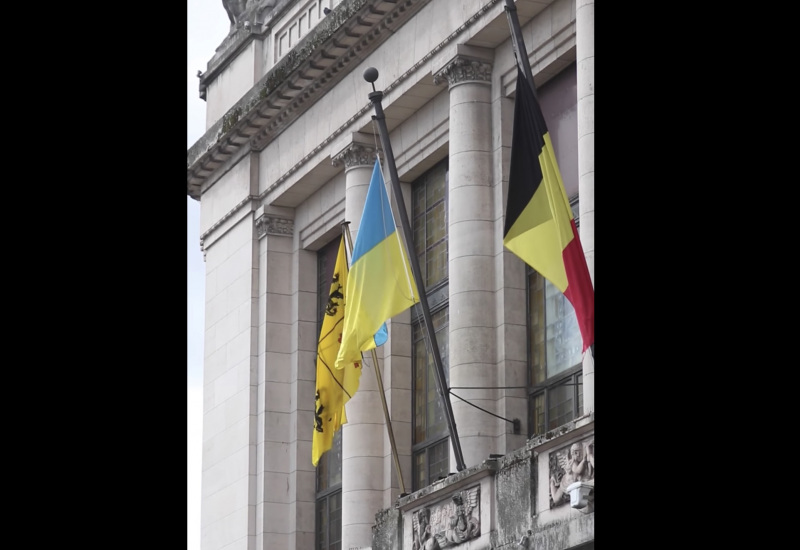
<point>387,90</point>
<point>335,46</point>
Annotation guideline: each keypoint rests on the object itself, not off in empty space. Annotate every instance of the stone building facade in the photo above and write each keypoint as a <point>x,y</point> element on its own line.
<point>286,159</point>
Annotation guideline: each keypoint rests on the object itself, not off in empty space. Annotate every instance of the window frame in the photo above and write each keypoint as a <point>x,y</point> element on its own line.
<point>438,301</point>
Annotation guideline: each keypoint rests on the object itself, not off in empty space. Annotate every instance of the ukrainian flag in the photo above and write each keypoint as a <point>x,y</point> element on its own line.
<point>380,284</point>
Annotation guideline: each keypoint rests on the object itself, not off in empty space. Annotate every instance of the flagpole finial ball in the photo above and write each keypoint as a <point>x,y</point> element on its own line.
<point>371,74</point>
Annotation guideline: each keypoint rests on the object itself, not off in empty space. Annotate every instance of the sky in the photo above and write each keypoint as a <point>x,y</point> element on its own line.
<point>207,25</point>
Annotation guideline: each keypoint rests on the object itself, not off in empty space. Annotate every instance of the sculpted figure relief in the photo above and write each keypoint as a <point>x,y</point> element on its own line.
<point>577,464</point>
<point>424,537</point>
<point>234,9</point>
<point>462,524</point>
<point>448,524</point>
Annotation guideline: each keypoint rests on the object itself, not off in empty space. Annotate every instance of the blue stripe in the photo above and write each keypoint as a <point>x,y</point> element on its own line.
<point>377,221</point>
<point>381,336</point>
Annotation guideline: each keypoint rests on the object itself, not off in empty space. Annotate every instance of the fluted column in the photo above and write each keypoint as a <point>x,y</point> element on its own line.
<point>362,436</point>
<point>584,31</point>
<point>471,232</point>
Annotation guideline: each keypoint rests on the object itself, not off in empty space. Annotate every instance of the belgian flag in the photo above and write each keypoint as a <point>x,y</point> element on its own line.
<point>539,225</point>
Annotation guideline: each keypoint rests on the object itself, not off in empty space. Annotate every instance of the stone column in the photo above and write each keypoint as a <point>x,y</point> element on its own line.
<point>471,235</point>
<point>278,384</point>
<point>584,31</point>
<point>362,436</point>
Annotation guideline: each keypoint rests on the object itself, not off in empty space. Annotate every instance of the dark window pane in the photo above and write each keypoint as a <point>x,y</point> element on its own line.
<point>322,473</point>
<point>420,382</point>
<point>536,327</point>
<point>439,460</point>
<point>429,419</point>
<point>335,460</point>
<point>560,409</point>
<point>335,505</point>
<point>322,523</point>
<point>429,214</point>
<point>537,416</point>
<point>420,475</point>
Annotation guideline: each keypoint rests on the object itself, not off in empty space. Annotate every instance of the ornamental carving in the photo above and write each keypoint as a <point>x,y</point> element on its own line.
<point>462,69</point>
<point>270,225</point>
<point>449,523</point>
<point>234,9</point>
<point>569,465</point>
<point>356,154</point>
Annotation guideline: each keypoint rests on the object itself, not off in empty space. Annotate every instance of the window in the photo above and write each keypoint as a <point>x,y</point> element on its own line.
<point>329,497</point>
<point>555,358</point>
<point>431,436</point>
<point>329,468</point>
<point>430,445</point>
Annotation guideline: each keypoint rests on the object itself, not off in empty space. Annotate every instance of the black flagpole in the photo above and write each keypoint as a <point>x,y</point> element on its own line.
<point>371,75</point>
<point>519,44</point>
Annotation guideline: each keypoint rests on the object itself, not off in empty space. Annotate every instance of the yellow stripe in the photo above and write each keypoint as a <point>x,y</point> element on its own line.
<point>379,287</point>
<point>542,231</point>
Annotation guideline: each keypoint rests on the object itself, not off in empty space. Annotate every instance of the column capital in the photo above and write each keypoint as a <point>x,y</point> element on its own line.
<point>464,69</point>
<point>356,154</point>
<point>268,224</point>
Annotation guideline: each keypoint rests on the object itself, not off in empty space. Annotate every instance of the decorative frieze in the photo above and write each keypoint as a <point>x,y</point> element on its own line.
<point>464,69</point>
<point>271,225</point>
<point>356,154</point>
<point>448,523</point>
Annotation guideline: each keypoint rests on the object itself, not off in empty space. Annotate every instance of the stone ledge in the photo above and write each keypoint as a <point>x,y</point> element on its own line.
<point>450,484</point>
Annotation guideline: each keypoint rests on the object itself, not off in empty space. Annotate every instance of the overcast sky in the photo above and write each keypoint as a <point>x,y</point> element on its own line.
<point>207,26</point>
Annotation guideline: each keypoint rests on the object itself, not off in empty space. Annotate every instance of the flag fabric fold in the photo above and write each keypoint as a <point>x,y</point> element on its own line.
<point>380,284</point>
<point>539,226</point>
<point>335,387</point>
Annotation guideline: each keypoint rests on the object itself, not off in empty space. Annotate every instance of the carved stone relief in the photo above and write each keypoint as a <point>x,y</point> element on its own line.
<point>448,523</point>
<point>270,225</point>
<point>568,465</point>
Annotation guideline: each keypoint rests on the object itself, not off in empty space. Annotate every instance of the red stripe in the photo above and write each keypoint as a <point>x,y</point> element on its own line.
<point>579,289</point>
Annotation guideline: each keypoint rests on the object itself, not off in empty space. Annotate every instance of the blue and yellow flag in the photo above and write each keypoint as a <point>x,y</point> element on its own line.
<point>335,387</point>
<point>380,284</point>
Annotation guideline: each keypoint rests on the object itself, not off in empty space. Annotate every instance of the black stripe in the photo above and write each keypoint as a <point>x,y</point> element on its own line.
<point>525,173</point>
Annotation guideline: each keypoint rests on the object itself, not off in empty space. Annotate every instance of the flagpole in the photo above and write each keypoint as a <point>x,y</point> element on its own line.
<point>519,44</point>
<point>371,75</point>
<point>346,230</point>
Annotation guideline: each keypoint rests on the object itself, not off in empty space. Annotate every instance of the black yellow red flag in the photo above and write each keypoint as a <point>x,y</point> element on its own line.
<point>539,226</point>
